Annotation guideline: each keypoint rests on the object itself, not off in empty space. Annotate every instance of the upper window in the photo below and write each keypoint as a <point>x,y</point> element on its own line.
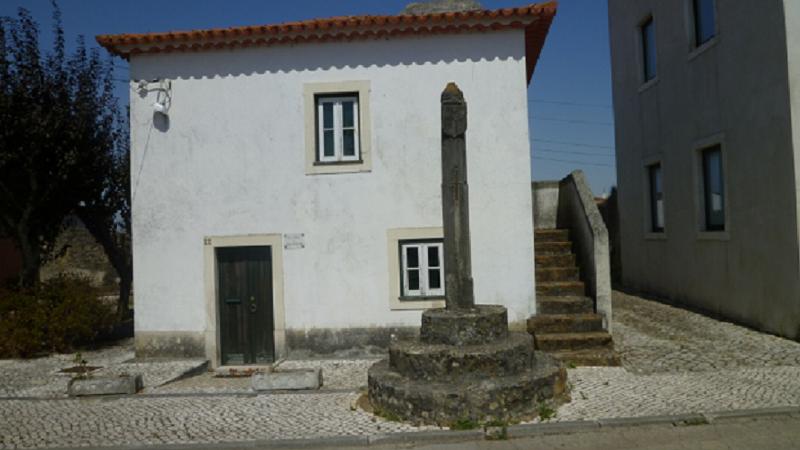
<point>704,21</point>
<point>337,128</point>
<point>713,189</point>
<point>422,268</point>
<point>656,198</point>
<point>648,34</point>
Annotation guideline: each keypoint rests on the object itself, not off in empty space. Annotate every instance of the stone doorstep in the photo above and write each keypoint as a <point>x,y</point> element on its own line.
<point>558,288</point>
<point>551,235</point>
<point>243,371</point>
<point>111,385</point>
<point>544,261</point>
<point>287,380</point>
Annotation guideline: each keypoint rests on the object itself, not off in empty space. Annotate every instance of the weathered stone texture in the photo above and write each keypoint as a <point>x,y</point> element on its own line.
<point>300,379</point>
<point>119,385</point>
<point>481,324</point>
<point>172,344</point>
<point>481,399</point>
<point>438,6</point>
<point>345,342</point>
<point>504,357</point>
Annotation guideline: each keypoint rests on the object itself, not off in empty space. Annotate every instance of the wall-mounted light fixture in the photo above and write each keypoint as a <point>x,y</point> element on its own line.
<point>163,94</point>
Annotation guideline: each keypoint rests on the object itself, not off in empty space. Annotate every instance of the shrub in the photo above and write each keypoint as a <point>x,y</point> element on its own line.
<point>57,316</point>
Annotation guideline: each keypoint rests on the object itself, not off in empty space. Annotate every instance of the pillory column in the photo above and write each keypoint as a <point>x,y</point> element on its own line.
<point>455,201</point>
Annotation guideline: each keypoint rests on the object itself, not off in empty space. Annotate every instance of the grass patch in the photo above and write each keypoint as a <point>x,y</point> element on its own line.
<point>464,424</point>
<point>546,412</point>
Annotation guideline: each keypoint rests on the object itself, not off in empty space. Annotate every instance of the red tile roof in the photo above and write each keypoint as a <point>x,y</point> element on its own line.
<point>534,19</point>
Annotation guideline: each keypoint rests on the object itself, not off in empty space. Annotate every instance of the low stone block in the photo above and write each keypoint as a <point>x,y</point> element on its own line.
<point>116,385</point>
<point>479,325</point>
<point>287,380</point>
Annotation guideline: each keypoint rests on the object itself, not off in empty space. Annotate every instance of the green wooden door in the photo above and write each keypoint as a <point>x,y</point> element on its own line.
<point>245,305</point>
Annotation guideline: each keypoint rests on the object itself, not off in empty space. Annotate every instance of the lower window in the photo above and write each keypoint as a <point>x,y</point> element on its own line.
<point>422,268</point>
<point>713,189</point>
<point>656,198</point>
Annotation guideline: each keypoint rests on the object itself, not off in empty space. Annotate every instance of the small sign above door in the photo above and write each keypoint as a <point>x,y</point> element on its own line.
<point>294,241</point>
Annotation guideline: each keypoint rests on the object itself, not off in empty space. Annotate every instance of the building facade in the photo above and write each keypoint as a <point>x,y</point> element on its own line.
<point>286,179</point>
<point>706,98</point>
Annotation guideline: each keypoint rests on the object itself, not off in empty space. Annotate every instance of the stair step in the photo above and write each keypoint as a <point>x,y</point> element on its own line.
<point>588,357</point>
<point>572,341</point>
<point>560,288</point>
<point>565,323</point>
<point>553,248</point>
<point>564,305</point>
<point>551,235</point>
<point>548,261</point>
<point>557,274</point>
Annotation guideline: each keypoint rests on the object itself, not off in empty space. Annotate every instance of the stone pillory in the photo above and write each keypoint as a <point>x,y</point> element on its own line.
<point>465,365</point>
<point>455,201</point>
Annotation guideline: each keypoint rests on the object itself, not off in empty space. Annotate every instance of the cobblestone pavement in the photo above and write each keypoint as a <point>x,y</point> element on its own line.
<point>195,419</point>
<point>338,375</point>
<point>674,362</point>
<point>42,377</point>
<point>655,338</point>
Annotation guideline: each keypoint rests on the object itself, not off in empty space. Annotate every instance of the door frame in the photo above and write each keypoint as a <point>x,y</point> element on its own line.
<point>210,244</point>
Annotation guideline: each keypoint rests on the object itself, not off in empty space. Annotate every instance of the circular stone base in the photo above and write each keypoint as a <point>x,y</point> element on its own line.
<point>420,361</point>
<point>480,325</point>
<point>514,397</point>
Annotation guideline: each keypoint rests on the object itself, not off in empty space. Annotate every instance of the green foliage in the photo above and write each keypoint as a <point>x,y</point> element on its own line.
<point>546,412</point>
<point>59,133</point>
<point>388,415</point>
<point>54,317</point>
<point>464,424</point>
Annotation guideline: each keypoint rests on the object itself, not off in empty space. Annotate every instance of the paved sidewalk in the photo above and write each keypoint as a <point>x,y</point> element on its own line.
<point>674,362</point>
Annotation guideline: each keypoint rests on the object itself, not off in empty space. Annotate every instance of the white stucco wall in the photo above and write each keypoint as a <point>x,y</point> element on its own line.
<point>231,162</point>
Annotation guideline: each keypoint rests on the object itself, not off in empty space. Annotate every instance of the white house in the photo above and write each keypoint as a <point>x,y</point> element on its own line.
<point>286,178</point>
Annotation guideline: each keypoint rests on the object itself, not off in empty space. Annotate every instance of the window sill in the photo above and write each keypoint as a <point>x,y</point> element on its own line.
<point>655,236</point>
<point>417,303</point>
<point>713,236</point>
<point>648,84</point>
<point>338,163</point>
<point>333,167</point>
<point>412,298</point>
<point>703,48</point>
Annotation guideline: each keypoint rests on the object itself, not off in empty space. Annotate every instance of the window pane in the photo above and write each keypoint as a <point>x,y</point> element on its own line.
<point>347,114</point>
<point>704,26</point>
<point>328,150</point>
<point>434,279</point>
<point>433,256</point>
<point>714,186</point>
<point>656,199</point>
<point>412,257</point>
<point>327,115</point>
<point>649,49</point>
<point>349,144</point>
<point>413,280</point>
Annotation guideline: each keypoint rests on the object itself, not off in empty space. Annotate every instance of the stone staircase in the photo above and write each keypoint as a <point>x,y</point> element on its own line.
<point>566,324</point>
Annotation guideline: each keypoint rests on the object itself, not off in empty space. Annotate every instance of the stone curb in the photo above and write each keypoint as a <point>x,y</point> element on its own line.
<point>444,436</point>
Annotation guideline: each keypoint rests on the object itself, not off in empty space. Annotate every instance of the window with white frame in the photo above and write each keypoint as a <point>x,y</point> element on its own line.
<point>337,128</point>
<point>422,268</point>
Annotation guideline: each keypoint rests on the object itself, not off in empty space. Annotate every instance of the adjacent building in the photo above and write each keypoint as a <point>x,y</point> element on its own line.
<point>286,178</point>
<point>707,109</point>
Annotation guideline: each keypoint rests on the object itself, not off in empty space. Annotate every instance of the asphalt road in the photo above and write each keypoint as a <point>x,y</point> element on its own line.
<point>759,433</point>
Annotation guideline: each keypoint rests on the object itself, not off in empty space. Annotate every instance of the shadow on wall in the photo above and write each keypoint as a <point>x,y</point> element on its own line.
<point>326,56</point>
<point>609,209</point>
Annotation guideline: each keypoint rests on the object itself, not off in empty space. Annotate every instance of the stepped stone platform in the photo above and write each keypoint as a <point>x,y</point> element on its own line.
<point>465,366</point>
